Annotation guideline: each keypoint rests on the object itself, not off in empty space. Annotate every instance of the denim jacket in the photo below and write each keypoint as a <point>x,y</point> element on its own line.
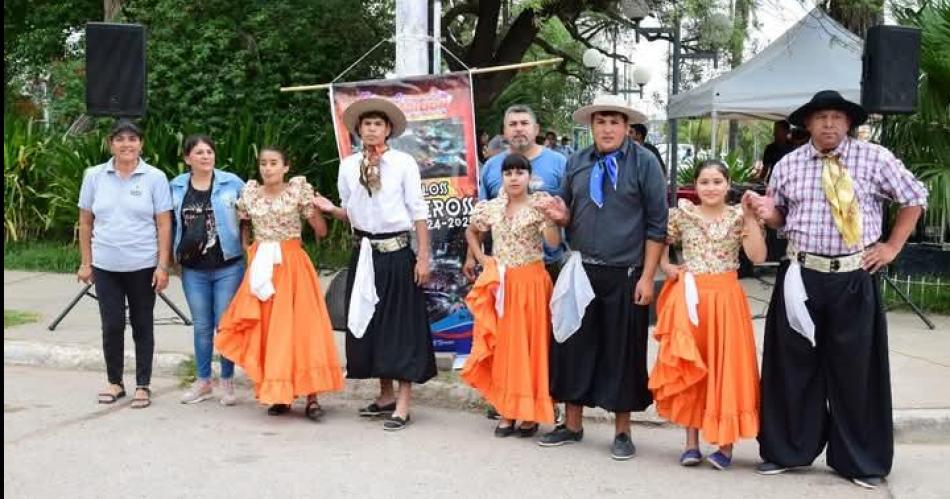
<point>224,193</point>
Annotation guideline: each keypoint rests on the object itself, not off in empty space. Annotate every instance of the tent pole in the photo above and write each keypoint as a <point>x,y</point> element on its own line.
<point>714,121</point>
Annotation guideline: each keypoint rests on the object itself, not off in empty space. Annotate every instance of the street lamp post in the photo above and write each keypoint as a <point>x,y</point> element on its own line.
<point>653,32</point>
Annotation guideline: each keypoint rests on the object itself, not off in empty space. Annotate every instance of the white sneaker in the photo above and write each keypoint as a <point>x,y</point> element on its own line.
<point>227,392</point>
<point>200,391</point>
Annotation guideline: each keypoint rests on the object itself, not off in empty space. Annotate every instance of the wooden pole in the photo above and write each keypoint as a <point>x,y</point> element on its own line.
<point>475,71</point>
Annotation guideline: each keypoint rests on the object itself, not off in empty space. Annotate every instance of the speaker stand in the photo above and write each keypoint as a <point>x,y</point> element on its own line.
<point>885,234</point>
<point>85,292</point>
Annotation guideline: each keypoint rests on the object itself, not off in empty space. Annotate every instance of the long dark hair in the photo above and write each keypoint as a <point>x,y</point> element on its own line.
<point>712,163</point>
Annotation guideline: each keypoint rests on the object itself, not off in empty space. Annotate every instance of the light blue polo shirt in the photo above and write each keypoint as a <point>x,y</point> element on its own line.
<point>549,166</point>
<point>124,233</point>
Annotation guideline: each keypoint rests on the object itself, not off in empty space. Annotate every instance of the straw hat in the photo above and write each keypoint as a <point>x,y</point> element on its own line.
<point>351,115</point>
<point>609,103</point>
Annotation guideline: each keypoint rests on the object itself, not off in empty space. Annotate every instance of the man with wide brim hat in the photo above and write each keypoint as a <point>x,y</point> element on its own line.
<point>613,206</point>
<point>388,335</point>
<point>397,119</point>
<point>825,376</point>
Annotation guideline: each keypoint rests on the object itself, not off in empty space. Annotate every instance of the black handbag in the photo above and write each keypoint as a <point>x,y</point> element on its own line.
<point>194,238</point>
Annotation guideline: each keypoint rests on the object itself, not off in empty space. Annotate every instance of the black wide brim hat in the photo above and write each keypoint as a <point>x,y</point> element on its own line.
<point>829,99</point>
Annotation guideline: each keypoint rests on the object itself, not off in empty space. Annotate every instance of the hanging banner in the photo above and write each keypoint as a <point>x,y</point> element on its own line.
<point>441,137</point>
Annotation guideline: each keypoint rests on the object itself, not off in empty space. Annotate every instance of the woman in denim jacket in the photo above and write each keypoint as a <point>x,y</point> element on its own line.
<point>207,244</point>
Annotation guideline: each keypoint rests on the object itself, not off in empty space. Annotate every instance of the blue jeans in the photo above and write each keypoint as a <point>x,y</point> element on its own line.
<point>209,293</point>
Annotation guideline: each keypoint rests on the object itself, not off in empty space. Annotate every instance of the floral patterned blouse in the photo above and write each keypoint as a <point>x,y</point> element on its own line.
<point>709,246</point>
<point>276,218</point>
<point>516,241</point>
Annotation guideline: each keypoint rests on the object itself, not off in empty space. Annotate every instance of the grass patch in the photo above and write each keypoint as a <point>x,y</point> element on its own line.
<point>187,372</point>
<point>17,317</point>
<point>44,256</point>
<point>930,293</point>
<point>55,256</point>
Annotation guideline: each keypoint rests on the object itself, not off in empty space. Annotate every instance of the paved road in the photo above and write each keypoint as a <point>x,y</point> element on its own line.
<point>59,443</point>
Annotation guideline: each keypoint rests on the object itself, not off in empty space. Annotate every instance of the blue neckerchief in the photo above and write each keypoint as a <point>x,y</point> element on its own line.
<point>608,163</point>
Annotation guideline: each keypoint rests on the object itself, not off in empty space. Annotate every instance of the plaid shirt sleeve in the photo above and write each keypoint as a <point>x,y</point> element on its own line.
<point>776,188</point>
<point>897,183</point>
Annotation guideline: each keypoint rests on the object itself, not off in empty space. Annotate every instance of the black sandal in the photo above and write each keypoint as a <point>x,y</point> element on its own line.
<point>312,410</point>
<point>111,397</point>
<point>277,409</point>
<point>139,402</point>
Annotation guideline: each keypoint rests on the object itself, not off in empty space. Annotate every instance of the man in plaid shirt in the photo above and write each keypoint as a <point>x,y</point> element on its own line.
<point>825,375</point>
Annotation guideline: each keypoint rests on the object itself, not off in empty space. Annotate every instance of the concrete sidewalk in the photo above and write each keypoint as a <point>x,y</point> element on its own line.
<point>920,358</point>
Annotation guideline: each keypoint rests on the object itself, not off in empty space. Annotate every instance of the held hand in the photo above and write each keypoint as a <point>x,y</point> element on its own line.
<point>643,294</point>
<point>468,269</point>
<point>748,204</point>
<point>159,280</point>
<point>763,206</point>
<point>552,207</point>
<point>422,270</point>
<point>84,274</point>
<point>671,271</point>
<point>323,204</point>
<point>879,256</point>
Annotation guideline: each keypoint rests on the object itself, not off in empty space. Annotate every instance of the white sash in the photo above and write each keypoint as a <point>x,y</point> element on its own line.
<point>364,298</point>
<point>262,269</point>
<point>795,298</point>
<point>572,294</point>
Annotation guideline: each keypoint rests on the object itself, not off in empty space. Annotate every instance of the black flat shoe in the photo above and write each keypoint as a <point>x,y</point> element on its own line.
<point>505,431</point>
<point>396,423</point>
<point>278,409</point>
<point>375,409</point>
<point>528,432</point>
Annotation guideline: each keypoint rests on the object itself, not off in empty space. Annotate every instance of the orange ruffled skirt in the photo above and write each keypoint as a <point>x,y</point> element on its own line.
<point>707,376</point>
<point>508,364</point>
<point>285,344</point>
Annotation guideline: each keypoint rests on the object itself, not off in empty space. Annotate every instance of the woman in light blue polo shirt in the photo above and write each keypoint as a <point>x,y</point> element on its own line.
<point>208,247</point>
<point>125,240</point>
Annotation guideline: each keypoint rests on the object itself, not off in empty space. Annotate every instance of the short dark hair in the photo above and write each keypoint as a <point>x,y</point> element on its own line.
<point>784,124</point>
<point>278,150</point>
<point>565,140</point>
<point>124,125</point>
<point>515,161</point>
<point>712,163</point>
<point>551,134</point>
<point>626,118</point>
<point>640,128</point>
<point>193,140</point>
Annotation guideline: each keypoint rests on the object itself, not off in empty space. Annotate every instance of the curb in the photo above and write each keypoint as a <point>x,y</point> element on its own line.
<point>444,391</point>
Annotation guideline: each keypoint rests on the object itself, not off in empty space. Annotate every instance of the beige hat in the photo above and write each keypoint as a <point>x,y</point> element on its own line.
<point>351,115</point>
<point>611,103</point>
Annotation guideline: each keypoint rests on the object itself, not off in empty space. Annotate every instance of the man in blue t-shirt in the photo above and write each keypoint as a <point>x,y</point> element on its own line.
<point>547,171</point>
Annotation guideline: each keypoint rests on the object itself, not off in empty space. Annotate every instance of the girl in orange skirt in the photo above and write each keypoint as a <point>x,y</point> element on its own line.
<point>509,359</point>
<point>277,327</point>
<point>706,374</point>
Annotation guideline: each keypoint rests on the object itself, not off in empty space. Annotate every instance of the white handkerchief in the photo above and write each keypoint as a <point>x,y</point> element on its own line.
<point>364,298</point>
<point>500,292</point>
<point>692,297</point>
<point>795,298</point>
<point>262,269</point>
<point>572,294</point>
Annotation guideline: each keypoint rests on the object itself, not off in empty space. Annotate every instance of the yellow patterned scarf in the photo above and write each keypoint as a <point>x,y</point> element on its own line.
<point>839,189</point>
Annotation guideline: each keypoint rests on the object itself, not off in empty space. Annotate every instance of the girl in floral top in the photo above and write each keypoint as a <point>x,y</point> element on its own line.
<point>509,359</point>
<point>277,327</point>
<point>706,375</point>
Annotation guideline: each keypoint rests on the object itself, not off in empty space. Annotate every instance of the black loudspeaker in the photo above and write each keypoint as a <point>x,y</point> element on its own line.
<point>891,70</point>
<point>115,69</point>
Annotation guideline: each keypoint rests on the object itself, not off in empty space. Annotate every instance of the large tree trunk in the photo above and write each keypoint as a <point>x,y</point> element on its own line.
<point>111,9</point>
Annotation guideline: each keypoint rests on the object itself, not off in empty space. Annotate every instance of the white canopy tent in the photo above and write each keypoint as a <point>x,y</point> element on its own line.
<point>815,54</point>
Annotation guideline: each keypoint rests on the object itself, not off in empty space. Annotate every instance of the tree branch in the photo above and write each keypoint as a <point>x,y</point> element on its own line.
<point>486,32</point>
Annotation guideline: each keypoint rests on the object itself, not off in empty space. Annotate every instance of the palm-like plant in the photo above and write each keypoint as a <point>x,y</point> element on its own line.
<point>922,140</point>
